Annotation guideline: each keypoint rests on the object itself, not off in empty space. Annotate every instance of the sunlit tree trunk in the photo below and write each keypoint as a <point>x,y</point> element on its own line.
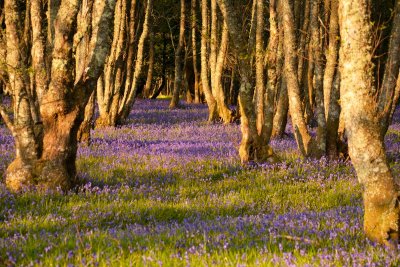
<point>282,102</point>
<point>387,95</point>
<point>273,64</point>
<point>48,162</point>
<point>282,109</point>
<point>110,91</point>
<point>224,112</point>
<point>178,82</point>
<point>205,80</point>
<point>366,148</point>
<point>251,148</point>
<point>149,79</point>
<point>304,140</point>
<point>131,87</point>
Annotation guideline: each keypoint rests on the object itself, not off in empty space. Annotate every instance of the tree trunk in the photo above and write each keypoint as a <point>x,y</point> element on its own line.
<point>331,83</point>
<point>304,140</point>
<point>224,112</point>
<point>110,88</point>
<point>281,114</point>
<point>251,148</point>
<point>26,143</point>
<point>273,61</point>
<point>63,101</point>
<point>387,90</point>
<point>194,54</point>
<point>178,82</point>
<point>366,148</point>
<point>131,88</point>
<point>212,104</point>
<point>317,76</point>
<point>87,123</point>
<point>149,79</point>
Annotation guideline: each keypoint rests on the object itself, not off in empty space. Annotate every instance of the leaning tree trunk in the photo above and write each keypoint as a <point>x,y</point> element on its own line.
<point>87,123</point>
<point>131,89</point>
<point>304,140</point>
<point>178,82</point>
<point>366,148</point>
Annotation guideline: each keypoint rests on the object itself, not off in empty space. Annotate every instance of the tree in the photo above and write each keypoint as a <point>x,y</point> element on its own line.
<point>47,118</point>
<point>212,104</point>
<point>117,90</point>
<point>178,83</point>
<point>363,118</point>
<point>253,147</point>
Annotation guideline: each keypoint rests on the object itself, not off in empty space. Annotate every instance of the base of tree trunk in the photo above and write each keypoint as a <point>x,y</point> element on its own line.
<point>381,218</point>
<point>42,175</point>
<point>104,122</point>
<point>19,176</point>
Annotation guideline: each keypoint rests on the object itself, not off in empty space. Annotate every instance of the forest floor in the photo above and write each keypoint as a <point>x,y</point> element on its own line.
<point>168,190</point>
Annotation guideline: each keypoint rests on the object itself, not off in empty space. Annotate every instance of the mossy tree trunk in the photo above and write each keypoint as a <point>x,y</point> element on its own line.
<point>366,148</point>
<point>46,159</point>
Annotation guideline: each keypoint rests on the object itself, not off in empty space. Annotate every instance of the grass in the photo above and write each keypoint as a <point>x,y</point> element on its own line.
<point>177,196</point>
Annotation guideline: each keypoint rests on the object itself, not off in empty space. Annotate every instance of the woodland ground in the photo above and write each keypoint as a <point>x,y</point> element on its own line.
<point>168,190</point>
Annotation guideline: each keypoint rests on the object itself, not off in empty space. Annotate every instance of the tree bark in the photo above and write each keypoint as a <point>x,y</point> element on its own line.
<point>224,112</point>
<point>87,123</point>
<point>251,148</point>
<point>304,140</point>
<point>194,53</point>
<point>48,162</point>
<point>317,75</point>
<point>149,79</point>
<point>274,64</point>
<point>178,82</point>
<point>131,88</point>
<point>212,104</point>
<point>366,148</point>
<point>387,90</point>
